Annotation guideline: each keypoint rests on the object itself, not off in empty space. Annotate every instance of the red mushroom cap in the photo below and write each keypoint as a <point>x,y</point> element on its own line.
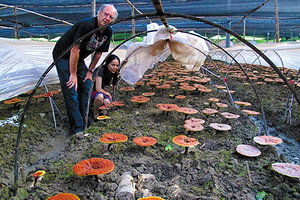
<point>145,141</point>
<point>193,127</point>
<point>186,110</point>
<point>64,196</point>
<point>251,112</point>
<point>113,138</point>
<point>93,166</point>
<point>185,141</point>
<point>167,107</point>
<point>151,198</point>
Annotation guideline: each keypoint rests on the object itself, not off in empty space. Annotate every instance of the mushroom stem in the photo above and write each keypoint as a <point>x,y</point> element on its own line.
<point>186,149</point>
<point>185,116</point>
<point>109,146</point>
<point>35,181</point>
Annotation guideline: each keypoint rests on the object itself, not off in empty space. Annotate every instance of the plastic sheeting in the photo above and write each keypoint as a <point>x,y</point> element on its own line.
<point>21,65</point>
<point>188,49</point>
<point>281,54</point>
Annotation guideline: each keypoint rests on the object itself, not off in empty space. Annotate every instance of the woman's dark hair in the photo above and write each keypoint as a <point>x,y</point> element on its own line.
<point>111,58</point>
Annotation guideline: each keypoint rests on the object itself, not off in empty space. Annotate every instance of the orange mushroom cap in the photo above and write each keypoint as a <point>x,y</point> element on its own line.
<point>180,97</point>
<point>117,103</point>
<point>167,107</point>
<point>64,196</point>
<point>148,94</point>
<point>221,105</point>
<point>93,166</point>
<point>205,90</point>
<point>248,150</point>
<point>212,99</point>
<point>287,169</point>
<point>186,110</point>
<point>127,89</point>
<point>145,141</point>
<point>267,140</point>
<point>113,138</point>
<point>242,103</point>
<point>151,198</point>
<point>12,101</point>
<point>139,99</point>
<point>193,126</point>
<point>209,111</point>
<point>251,112</point>
<point>185,141</point>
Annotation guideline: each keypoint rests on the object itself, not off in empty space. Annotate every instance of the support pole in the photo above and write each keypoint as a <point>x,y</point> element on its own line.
<point>93,8</point>
<point>244,33</point>
<point>17,36</point>
<point>133,25</point>
<point>276,21</point>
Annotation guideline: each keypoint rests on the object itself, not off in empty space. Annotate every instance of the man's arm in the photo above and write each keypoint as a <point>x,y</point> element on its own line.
<point>94,62</point>
<point>74,57</point>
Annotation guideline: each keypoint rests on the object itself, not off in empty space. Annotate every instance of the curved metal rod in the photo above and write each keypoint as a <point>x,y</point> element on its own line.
<point>280,59</point>
<point>252,85</point>
<point>257,58</point>
<point>244,41</point>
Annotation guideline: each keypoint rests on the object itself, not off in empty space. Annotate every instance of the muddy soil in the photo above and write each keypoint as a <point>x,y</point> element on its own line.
<point>211,170</point>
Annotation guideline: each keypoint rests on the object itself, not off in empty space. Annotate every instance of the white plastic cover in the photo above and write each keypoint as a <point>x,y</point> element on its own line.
<point>188,49</point>
<point>281,54</point>
<point>21,66</point>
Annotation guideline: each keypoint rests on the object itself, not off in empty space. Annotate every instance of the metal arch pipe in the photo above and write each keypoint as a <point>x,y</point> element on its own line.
<point>257,58</point>
<point>239,53</point>
<point>279,58</point>
<point>245,42</point>
<point>252,85</point>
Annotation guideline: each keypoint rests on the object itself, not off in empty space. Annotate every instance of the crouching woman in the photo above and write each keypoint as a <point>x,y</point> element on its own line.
<point>106,76</point>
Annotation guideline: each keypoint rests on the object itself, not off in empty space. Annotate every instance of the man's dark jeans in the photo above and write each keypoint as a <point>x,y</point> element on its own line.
<point>76,101</point>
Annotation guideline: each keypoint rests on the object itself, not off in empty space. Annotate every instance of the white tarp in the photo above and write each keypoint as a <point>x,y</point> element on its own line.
<point>157,46</point>
<point>281,54</point>
<point>22,63</point>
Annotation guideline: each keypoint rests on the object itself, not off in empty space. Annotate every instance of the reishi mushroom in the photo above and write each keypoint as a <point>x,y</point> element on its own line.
<point>267,140</point>
<point>37,176</point>
<point>93,166</point>
<point>111,138</point>
<point>287,169</point>
<point>248,150</point>
<point>186,111</point>
<point>185,141</point>
<point>220,127</point>
<point>145,141</point>
<point>151,198</point>
<point>193,127</point>
<point>64,196</point>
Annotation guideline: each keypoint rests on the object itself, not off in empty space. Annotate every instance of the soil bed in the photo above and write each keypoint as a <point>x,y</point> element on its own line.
<point>211,170</point>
